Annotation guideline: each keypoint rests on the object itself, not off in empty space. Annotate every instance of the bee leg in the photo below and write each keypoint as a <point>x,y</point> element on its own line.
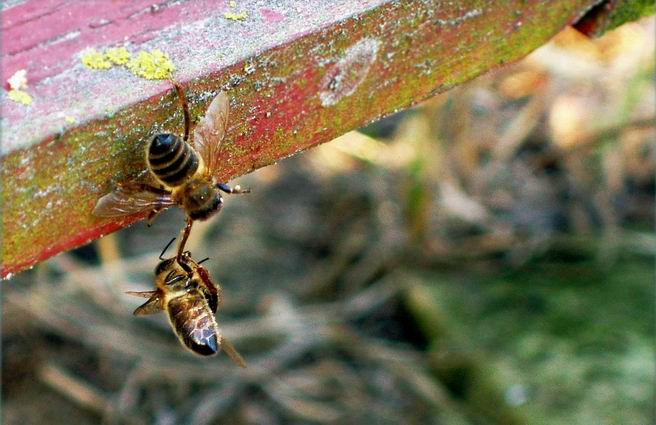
<point>183,239</point>
<point>151,216</point>
<point>232,190</point>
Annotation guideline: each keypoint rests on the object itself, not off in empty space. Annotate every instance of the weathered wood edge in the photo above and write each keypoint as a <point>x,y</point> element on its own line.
<point>285,100</point>
<point>610,14</point>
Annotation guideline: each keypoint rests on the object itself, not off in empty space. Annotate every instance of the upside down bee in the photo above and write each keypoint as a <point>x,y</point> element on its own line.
<point>184,170</point>
<point>190,299</point>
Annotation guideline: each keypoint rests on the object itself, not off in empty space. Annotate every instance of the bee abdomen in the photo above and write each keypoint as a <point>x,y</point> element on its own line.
<point>194,323</point>
<point>171,159</point>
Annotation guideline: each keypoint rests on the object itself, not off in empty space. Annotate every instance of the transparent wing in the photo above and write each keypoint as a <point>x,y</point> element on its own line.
<point>210,131</point>
<point>232,352</point>
<point>123,202</point>
<point>142,294</point>
<point>153,305</point>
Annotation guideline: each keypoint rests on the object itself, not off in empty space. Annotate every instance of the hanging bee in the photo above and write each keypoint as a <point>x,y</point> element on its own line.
<point>190,299</point>
<point>184,170</point>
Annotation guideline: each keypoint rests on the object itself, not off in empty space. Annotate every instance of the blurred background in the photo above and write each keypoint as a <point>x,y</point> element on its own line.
<point>484,258</point>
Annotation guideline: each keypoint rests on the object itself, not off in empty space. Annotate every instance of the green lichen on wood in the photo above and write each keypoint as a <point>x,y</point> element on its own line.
<point>151,65</point>
<point>93,59</point>
<point>20,96</point>
<point>118,55</point>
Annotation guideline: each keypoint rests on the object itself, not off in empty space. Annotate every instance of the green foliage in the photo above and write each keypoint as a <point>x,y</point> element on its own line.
<point>568,342</point>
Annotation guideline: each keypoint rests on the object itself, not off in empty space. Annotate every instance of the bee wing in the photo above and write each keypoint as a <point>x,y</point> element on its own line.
<point>231,351</point>
<point>142,294</point>
<point>153,305</point>
<point>124,202</point>
<point>210,131</point>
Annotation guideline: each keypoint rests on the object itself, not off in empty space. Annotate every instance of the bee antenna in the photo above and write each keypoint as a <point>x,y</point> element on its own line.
<point>161,256</point>
<point>185,108</point>
<point>203,260</point>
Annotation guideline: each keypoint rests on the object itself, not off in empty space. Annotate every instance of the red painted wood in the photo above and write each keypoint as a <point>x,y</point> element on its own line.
<point>298,73</point>
<point>44,37</point>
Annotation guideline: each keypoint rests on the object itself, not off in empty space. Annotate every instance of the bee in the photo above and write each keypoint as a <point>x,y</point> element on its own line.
<point>184,170</point>
<point>190,299</point>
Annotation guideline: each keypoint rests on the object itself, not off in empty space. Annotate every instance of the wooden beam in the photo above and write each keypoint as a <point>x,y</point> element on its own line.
<point>298,73</point>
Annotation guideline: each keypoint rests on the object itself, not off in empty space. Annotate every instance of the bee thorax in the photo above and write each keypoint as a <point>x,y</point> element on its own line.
<point>199,199</point>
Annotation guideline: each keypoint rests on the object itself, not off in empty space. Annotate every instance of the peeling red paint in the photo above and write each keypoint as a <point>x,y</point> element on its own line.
<point>46,37</point>
<point>271,16</point>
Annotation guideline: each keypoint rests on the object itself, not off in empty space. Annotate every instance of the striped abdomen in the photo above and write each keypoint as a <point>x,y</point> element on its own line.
<point>194,323</point>
<point>171,159</point>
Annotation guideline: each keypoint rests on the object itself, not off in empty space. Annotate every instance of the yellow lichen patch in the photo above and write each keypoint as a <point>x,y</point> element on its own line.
<point>20,96</point>
<point>69,119</point>
<point>118,55</point>
<point>93,59</point>
<point>235,16</point>
<point>153,65</point>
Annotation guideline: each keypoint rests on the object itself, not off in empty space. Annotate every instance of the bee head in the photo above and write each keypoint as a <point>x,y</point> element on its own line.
<point>201,200</point>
